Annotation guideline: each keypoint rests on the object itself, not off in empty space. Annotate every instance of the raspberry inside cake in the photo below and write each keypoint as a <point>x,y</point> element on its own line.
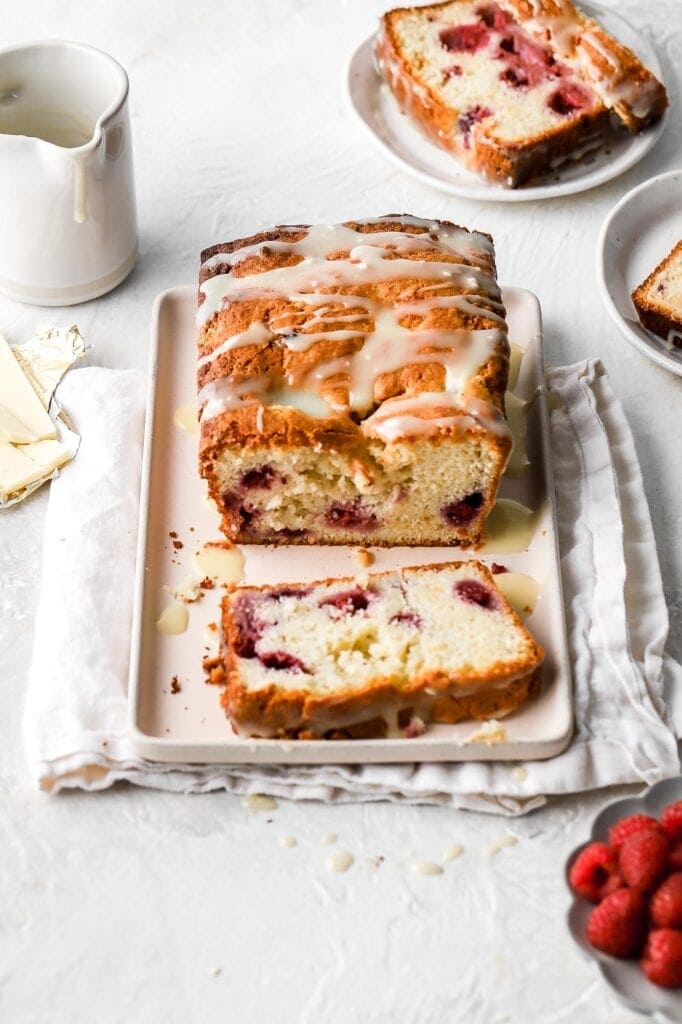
<point>352,383</point>
<point>342,658</point>
<point>514,88</point>
<point>658,300</point>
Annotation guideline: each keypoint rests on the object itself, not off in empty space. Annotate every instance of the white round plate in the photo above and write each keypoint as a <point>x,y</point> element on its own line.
<point>624,976</point>
<point>376,109</point>
<point>636,236</point>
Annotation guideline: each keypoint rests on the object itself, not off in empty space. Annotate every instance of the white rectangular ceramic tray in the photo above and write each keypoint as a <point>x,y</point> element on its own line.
<point>189,725</point>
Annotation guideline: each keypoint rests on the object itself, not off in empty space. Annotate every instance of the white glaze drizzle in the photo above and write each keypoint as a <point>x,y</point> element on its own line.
<point>225,393</point>
<point>674,338</point>
<point>614,87</point>
<point>561,29</point>
<point>396,417</point>
<point>389,347</point>
<point>602,49</point>
<point>255,334</point>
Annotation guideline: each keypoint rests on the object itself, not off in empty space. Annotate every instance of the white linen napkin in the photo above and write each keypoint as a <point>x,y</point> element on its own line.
<point>628,692</point>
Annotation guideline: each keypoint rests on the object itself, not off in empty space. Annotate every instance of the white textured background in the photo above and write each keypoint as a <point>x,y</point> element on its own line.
<point>121,906</point>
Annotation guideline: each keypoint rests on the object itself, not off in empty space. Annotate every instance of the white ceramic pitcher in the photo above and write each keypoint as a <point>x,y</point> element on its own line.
<point>68,228</point>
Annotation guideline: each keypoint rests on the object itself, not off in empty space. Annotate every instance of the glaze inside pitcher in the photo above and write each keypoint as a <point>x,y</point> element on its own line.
<point>46,94</point>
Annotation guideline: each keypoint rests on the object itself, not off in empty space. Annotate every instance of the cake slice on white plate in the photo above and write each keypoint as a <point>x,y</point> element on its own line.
<point>515,88</point>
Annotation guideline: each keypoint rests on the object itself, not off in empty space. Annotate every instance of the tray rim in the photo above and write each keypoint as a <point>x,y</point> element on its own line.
<point>163,750</point>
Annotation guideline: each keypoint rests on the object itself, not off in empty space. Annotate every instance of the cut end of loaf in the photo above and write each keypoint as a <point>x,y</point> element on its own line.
<point>658,300</point>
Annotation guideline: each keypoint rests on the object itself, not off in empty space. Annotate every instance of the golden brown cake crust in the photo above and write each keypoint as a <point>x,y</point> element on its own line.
<point>435,696</point>
<point>650,315</point>
<point>254,427</point>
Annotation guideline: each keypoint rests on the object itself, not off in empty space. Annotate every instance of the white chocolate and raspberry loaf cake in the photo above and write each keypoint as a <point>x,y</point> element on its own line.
<point>658,300</point>
<point>339,658</point>
<point>513,88</point>
<point>351,383</point>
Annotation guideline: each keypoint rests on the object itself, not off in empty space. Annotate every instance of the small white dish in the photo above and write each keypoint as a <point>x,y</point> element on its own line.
<point>377,111</point>
<point>638,233</point>
<point>624,976</point>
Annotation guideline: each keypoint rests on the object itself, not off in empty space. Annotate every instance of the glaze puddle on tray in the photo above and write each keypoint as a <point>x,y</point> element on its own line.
<point>173,620</point>
<point>219,560</point>
<point>521,590</point>
<point>510,527</point>
<point>186,418</point>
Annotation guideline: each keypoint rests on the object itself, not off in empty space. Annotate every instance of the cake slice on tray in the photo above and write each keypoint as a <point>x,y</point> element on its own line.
<point>513,89</point>
<point>342,659</point>
<point>351,383</point>
<point>658,300</point>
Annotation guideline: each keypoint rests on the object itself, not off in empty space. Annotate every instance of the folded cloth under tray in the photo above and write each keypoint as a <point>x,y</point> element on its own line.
<point>628,692</point>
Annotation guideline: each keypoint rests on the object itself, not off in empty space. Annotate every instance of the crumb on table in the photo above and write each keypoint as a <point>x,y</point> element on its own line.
<point>175,685</point>
<point>365,557</point>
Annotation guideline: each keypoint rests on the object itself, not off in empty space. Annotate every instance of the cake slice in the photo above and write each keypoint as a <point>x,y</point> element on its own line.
<point>339,658</point>
<point>514,88</point>
<point>658,300</point>
<point>351,383</point>
<point>616,74</point>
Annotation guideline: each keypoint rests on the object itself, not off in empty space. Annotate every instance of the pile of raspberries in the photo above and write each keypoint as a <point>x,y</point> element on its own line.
<point>636,881</point>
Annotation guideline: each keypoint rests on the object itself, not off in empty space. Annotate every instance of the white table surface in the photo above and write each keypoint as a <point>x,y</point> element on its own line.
<point>135,906</point>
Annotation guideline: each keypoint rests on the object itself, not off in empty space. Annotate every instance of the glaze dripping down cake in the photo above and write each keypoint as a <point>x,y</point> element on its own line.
<point>515,88</point>
<point>341,659</point>
<point>351,383</point>
<point>658,300</point>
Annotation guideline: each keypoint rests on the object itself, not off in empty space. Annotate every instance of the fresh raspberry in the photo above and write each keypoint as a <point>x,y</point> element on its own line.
<point>627,827</point>
<point>592,870</point>
<point>618,925</point>
<point>643,860</point>
<point>671,820</point>
<point>612,884</point>
<point>662,957</point>
<point>675,861</point>
<point>666,903</point>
